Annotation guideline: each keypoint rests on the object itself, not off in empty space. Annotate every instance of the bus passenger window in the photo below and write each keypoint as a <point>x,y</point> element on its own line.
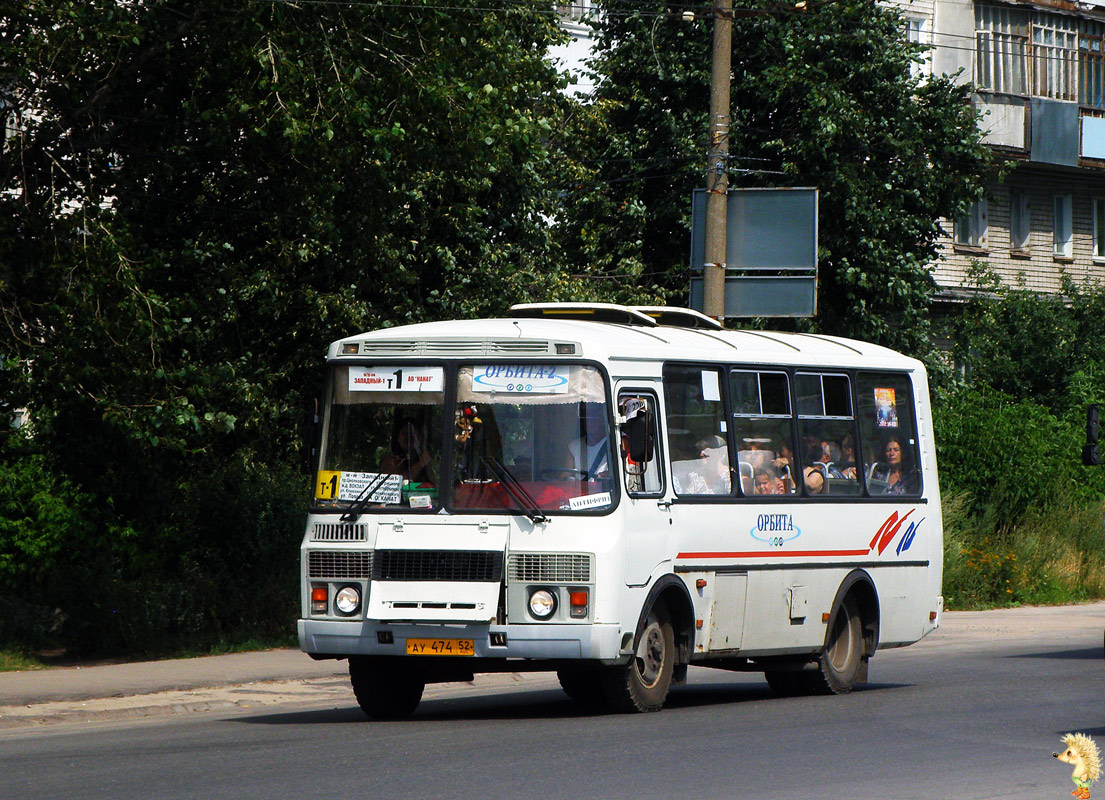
<point>889,431</point>
<point>697,432</point>
<point>826,430</point>
<point>761,425</point>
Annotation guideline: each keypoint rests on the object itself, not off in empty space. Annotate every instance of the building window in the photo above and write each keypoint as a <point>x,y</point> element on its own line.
<point>917,32</point>
<point>1001,36</point>
<point>1020,220</point>
<point>574,11</point>
<point>1054,54</point>
<point>1091,64</point>
<point>1063,234</point>
<point>970,229</point>
<point>1099,228</point>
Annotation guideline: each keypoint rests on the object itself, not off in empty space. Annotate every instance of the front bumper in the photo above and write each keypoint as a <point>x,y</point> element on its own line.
<point>341,638</point>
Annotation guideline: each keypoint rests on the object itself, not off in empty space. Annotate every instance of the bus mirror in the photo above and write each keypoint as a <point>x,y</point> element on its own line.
<point>636,432</point>
<point>1091,455</point>
<point>310,443</point>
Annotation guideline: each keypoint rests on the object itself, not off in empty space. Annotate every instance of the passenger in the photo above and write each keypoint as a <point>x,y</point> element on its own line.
<point>782,466</point>
<point>715,469</point>
<point>767,482</point>
<point>812,474</point>
<point>893,471</point>
<point>847,462</point>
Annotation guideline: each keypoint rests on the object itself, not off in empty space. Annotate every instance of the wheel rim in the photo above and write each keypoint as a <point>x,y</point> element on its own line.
<point>842,650</point>
<point>650,653</point>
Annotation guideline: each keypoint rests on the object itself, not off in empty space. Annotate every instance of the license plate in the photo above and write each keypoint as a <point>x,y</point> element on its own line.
<point>441,647</point>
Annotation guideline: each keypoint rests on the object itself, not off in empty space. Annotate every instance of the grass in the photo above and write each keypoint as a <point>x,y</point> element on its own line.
<point>1050,557</point>
<point>15,661</point>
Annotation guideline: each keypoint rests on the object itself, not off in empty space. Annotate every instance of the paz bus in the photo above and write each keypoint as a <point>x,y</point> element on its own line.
<point>616,493</point>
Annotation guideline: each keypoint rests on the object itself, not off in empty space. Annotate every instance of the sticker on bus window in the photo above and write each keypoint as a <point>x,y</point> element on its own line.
<point>396,379</point>
<point>886,409</point>
<point>521,378</point>
<point>589,501</point>
<point>349,485</point>
<point>711,386</point>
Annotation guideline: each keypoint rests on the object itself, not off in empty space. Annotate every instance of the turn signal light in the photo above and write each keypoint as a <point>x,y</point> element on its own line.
<point>577,601</point>
<point>320,599</point>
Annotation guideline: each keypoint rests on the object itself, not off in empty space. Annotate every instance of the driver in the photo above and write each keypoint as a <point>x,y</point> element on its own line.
<point>589,454</point>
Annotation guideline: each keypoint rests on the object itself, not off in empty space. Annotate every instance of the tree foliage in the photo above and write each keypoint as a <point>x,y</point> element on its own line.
<point>824,97</point>
<point>204,194</point>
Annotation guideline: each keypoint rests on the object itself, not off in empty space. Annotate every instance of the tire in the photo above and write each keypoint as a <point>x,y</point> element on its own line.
<point>384,692</point>
<point>840,662</point>
<point>642,684</point>
<point>584,687</point>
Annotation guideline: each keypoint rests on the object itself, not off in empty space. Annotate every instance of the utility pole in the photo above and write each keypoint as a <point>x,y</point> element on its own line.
<point>717,168</point>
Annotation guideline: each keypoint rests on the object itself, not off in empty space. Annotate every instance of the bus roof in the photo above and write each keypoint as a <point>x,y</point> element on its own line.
<point>610,335</point>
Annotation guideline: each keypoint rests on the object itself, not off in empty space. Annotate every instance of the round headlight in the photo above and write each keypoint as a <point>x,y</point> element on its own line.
<point>347,600</point>
<point>542,604</point>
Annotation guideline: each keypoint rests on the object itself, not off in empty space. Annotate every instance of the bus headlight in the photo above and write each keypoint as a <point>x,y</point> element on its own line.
<point>348,600</point>
<point>542,604</point>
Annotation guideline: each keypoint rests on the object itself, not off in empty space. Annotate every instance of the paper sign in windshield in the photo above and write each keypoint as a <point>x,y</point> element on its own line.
<point>351,484</point>
<point>521,378</point>
<point>600,500</point>
<point>396,379</point>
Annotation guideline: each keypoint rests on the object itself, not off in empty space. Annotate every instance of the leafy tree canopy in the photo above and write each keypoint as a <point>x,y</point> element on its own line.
<point>205,193</point>
<point>824,97</point>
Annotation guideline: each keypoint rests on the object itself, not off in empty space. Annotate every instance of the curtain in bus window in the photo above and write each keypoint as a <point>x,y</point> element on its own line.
<point>697,444</point>
<point>827,435</point>
<point>888,429</point>
<point>761,426</point>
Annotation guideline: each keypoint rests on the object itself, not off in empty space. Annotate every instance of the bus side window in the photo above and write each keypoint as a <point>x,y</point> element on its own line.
<point>640,443</point>
<point>696,424</point>
<point>888,427</point>
<point>761,424</point>
<point>827,434</point>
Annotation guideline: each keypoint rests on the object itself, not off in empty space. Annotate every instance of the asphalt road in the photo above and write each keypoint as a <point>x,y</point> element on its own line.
<point>973,711</point>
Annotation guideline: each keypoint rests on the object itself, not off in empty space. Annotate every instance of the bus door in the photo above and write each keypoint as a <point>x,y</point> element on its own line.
<point>648,529</point>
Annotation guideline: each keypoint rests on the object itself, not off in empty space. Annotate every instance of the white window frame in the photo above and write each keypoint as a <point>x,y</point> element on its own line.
<point>1062,226</point>
<point>1020,220</point>
<point>917,31</point>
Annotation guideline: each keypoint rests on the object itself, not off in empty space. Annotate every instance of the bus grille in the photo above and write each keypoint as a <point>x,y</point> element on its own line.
<point>340,564</point>
<point>437,565</point>
<point>550,568</point>
<point>328,532</point>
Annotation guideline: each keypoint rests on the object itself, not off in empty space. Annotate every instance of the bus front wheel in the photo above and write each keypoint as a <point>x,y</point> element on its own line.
<point>643,683</point>
<point>384,691</point>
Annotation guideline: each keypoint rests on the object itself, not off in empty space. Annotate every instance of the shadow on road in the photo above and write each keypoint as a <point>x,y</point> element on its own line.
<point>545,704</point>
<point>1086,653</point>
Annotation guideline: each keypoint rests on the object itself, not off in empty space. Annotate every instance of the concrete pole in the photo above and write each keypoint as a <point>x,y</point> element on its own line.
<point>717,169</point>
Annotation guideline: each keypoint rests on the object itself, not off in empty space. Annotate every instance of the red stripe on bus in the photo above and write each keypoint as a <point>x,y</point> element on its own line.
<point>776,554</point>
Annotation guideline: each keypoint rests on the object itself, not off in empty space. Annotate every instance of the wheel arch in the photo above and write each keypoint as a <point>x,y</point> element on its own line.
<point>677,599</point>
<point>859,584</point>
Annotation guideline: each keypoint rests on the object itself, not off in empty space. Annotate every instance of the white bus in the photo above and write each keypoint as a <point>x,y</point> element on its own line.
<point>615,494</point>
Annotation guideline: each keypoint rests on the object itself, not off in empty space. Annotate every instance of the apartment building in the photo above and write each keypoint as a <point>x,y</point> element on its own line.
<point>1039,72</point>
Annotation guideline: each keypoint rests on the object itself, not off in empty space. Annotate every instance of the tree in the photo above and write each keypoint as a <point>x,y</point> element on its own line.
<point>204,194</point>
<point>823,96</point>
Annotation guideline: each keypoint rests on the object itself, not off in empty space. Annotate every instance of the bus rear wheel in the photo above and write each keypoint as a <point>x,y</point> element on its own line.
<point>643,683</point>
<point>839,664</point>
<point>384,691</point>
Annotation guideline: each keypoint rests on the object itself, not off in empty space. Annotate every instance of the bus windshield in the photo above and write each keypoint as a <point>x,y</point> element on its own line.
<point>525,439</point>
<point>546,425</point>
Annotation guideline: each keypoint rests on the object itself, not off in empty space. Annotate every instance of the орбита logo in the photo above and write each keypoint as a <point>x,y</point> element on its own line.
<point>1083,753</point>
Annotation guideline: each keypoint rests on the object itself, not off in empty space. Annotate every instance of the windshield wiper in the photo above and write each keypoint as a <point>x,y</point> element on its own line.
<point>363,498</point>
<point>516,490</point>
